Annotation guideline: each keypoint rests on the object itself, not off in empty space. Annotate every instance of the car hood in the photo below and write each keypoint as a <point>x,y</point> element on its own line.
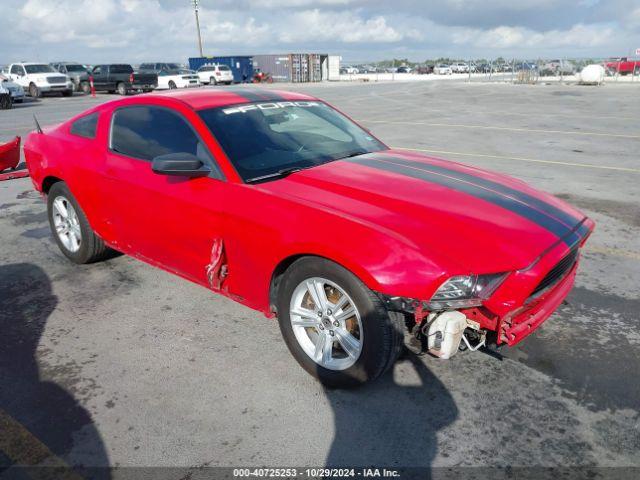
<point>9,85</point>
<point>78,75</point>
<point>47,75</point>
<point>477,221</point>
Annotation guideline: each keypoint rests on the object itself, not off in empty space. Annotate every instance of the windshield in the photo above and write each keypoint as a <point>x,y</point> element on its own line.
<point>39,68</point>
<point>263,139</point>
<point>75,68</point>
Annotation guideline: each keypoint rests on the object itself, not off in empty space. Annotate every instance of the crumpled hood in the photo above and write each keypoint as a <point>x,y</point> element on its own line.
<point>476,220</point>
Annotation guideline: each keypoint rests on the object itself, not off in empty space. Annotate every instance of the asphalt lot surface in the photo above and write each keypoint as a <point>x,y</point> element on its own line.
<point>121,364</point>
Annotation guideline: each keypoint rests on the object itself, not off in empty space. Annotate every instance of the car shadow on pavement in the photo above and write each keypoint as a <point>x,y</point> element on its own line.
<point>387,424</point>
<point>38,419</point>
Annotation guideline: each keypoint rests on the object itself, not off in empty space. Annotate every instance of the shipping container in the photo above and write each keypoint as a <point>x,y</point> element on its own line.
<point>295,67</point>
<point>333,67</point>
<point>279,66</point>
<point>241,66</point>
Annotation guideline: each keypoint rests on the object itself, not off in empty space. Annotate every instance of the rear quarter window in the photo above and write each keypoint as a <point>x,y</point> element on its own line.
<point>120,69</point>
<point>85,126</point>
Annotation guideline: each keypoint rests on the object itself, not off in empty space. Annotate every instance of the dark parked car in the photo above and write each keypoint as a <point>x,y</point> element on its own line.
<point>484,68</point>
<point>76,72</point>
<point>425,70</point>
<point>122,79</point>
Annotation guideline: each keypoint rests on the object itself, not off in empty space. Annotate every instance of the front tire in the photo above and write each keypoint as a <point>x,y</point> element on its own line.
<point>34,91</point>
<point>70,227</point>
<point>335,327</point>
<point>172,85</point>
<point>6,101</point>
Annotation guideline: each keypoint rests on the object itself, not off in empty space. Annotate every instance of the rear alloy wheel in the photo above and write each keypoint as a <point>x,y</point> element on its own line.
<point>336,328</point>
<point>66,224</point>
<point>70,227</point>
<point>122,89</point>
<point>172,85</point>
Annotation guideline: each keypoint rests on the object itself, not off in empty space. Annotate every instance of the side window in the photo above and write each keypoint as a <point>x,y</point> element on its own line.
<point>97,70</point>
<point>147,132</point>
<point>16,70</point>
<point>85,126</point>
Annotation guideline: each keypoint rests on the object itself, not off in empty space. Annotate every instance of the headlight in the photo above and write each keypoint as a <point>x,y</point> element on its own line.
<point>465,291</point>
<point>41,80</point>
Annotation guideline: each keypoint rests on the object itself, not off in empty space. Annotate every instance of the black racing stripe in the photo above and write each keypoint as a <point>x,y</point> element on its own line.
<point>566,218</point>
<point>516,206</point>
<point>583,230</point>
<point>252,95</point>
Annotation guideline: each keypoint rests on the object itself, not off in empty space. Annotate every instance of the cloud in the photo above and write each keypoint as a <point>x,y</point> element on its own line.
<point>137,30</point>
<point>348,27</point>
<point>578,36</point>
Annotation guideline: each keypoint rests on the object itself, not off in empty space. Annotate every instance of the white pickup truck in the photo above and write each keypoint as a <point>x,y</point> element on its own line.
<point>39,78</point>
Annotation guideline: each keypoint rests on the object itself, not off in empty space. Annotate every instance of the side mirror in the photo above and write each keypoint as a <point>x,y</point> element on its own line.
<point>180,164</point>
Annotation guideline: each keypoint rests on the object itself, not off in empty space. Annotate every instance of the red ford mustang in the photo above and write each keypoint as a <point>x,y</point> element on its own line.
<point>284,204</point>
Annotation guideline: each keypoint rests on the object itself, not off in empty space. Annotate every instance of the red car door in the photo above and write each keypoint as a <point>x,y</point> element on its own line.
<point>171,221</point>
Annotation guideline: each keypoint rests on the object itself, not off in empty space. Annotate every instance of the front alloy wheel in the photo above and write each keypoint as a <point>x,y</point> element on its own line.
<point>335,327</point>
<point>326,323</point>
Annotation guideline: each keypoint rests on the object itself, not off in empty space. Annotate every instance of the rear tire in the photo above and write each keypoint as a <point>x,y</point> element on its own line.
<point>89,247</point>
<point>213,81</point>
<point>122,89</point>
<point>380,339</point>
<point>85,87</point>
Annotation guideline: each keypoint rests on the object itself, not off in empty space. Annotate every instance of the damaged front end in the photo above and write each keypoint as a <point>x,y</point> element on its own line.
<point>470,312</point>
<point>441,333</point>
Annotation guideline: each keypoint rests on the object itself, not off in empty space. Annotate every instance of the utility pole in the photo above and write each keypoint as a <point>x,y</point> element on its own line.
<point>195,8</point>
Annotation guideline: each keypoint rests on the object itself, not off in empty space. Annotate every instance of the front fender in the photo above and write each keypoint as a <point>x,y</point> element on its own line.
<point>263,230</point>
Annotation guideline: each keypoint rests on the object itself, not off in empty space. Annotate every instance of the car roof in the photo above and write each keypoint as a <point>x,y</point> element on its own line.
<point>30,63</point>
<point>209,98</point>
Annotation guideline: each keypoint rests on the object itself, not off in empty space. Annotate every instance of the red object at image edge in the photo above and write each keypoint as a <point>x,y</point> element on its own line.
<point>10,154</point>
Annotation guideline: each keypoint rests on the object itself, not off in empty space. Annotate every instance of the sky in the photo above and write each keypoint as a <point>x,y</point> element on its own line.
<point>92,31</point>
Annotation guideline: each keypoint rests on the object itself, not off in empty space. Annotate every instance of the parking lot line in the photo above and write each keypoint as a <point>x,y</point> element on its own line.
<point>24,449</point>
<point>509,129</point>
<point>522,159</point>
